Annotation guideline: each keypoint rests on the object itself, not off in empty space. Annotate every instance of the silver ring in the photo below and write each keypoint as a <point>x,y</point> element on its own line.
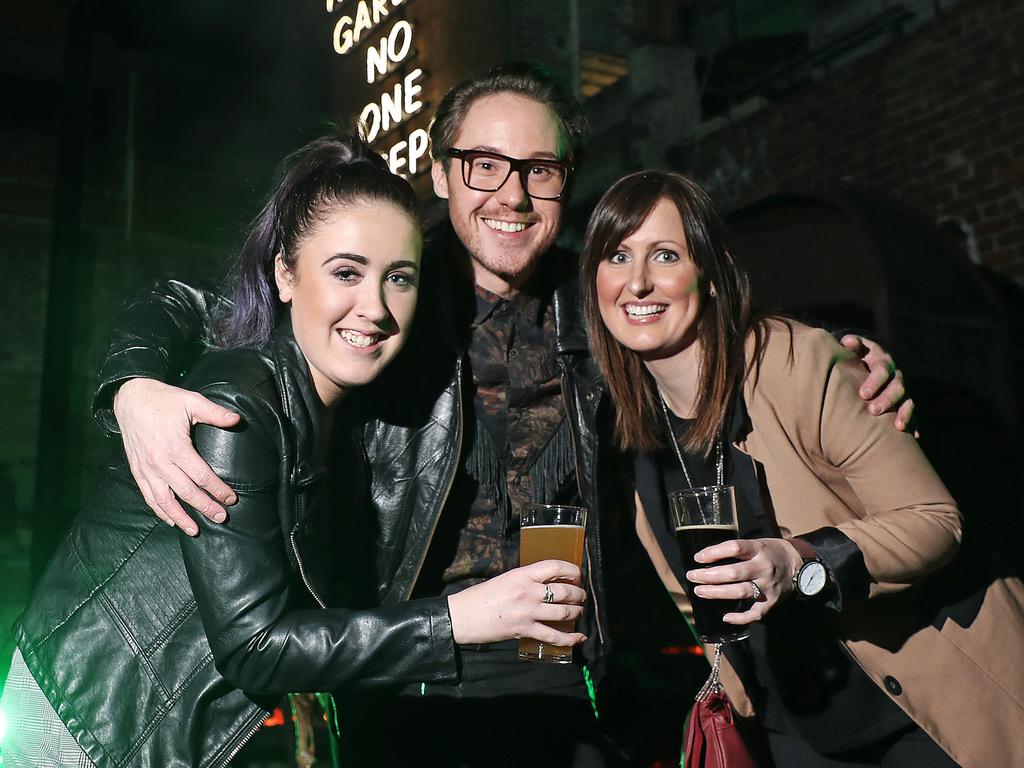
<point>549,596</point>
<point>758,594</point>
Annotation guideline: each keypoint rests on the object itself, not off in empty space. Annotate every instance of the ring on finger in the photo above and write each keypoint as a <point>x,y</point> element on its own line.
<point>549,596</point>
<point>758,594</point>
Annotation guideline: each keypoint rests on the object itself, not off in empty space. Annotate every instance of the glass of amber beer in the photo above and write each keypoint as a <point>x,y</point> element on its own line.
<point>702,517</point>
<point>550,532</point>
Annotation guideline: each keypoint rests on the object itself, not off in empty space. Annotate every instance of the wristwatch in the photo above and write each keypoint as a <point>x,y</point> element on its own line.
<point>812,577</point>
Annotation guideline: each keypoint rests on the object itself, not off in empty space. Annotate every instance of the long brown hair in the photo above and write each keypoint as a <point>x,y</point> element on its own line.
<point>722,326</point>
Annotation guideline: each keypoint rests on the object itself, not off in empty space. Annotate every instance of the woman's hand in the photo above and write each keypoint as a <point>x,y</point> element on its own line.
<point>512,605</point>
<point>771,563</point>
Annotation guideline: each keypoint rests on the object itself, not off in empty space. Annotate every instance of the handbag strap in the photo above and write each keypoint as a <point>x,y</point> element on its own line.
<point>713,684</point>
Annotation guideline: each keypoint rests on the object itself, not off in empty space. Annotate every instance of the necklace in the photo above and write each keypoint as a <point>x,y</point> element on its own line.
<point>713,684</point>
<point>719,451</point>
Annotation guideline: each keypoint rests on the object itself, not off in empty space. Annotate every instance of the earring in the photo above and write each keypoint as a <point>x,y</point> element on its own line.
<point>711,293</point>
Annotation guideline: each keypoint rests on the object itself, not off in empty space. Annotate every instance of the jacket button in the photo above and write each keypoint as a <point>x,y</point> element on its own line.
<point>892,685</point>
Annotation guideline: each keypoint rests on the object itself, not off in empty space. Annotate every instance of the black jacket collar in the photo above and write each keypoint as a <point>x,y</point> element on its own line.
<point>298,397</point>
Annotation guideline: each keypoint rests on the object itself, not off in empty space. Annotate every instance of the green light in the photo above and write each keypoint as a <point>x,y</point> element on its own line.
<point>591,692</point>
<point>3,729</point>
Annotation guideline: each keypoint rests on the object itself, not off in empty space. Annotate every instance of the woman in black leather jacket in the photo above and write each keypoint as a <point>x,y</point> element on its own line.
<point>142,646</point>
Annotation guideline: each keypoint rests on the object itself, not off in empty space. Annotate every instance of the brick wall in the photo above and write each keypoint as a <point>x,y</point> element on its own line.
<point>936,119</point>
<point>201,152</point>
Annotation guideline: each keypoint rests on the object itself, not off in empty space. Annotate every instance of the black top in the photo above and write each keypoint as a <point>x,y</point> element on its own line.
<point>800,677</point>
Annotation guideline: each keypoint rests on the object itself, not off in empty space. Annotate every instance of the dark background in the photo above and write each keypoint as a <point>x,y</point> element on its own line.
<point>870,155</point>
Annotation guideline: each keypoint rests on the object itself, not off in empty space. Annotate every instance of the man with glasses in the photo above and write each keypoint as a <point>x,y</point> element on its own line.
<point>501,355</point>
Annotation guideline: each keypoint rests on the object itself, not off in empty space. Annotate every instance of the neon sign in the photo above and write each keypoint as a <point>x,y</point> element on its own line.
<point>348,30</point>
<point>396,105</point>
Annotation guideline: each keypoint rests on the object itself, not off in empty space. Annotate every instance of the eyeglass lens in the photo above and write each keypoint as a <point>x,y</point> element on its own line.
<point>487,173</point>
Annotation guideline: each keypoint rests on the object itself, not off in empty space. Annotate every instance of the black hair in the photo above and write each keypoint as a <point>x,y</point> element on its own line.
<point>329,171</point>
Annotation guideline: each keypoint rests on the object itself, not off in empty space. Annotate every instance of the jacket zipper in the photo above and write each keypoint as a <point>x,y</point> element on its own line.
<point>302,567</point>
<point>248,734</point>
<point>313,592</point>
<point>579,474</point>
<point>448,487</point>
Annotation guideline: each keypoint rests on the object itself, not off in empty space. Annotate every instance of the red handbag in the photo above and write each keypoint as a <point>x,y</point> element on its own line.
<point>712,737</point>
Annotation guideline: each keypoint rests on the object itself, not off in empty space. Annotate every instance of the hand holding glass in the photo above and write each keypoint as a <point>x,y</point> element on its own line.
<point>550,532</point>
<point>703,517</point>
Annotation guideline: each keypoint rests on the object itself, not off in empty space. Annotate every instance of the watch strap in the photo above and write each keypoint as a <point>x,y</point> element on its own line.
<point>845,563</point>
<point>804,548</point>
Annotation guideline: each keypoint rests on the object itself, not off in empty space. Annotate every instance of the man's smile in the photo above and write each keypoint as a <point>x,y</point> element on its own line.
<point>498,225</point>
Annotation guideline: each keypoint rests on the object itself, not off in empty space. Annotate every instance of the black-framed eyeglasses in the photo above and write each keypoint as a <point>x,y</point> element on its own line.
<point>488,172</point>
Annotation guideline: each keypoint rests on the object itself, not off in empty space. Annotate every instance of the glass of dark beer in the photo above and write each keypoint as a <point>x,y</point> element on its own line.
<point>702,517</point>
<point>550,532</point>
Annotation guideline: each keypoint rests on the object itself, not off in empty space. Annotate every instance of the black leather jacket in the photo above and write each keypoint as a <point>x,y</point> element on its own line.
<point>415,437</point>
<point>415,415</point>
<point>161,650</point>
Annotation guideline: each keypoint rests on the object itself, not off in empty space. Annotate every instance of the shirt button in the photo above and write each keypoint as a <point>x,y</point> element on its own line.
<point>513,353</point>
<point>892,685</point>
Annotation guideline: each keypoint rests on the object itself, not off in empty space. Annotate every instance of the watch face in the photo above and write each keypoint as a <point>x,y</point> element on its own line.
<point>811,579</point>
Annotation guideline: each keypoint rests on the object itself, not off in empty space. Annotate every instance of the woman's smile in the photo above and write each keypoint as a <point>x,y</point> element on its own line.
<point>642,314</point>
<point>364,342</point>
<point>649,289</point>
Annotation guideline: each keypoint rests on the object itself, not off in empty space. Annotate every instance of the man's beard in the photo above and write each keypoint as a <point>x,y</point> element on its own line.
<point>513,269</point>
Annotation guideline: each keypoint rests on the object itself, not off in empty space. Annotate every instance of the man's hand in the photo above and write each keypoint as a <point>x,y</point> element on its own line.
<point>156,421</point>
<point>512,605</point>
<point>883,387</point>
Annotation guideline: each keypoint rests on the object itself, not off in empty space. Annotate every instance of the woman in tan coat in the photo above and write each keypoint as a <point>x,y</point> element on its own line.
<point>907,651</point>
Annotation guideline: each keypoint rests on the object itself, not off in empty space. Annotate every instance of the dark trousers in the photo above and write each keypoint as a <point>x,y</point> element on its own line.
<point>910,748</point>
<point>540,732</point>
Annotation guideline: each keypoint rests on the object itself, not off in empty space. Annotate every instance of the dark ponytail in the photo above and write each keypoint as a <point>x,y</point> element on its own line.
<point>327,172</point>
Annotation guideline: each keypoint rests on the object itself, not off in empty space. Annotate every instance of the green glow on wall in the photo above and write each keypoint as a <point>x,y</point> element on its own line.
<point>3,731</point>
<point>767,18</point>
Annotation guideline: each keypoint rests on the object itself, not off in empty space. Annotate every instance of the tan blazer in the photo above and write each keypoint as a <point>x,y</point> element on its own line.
<point>827,462</point>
